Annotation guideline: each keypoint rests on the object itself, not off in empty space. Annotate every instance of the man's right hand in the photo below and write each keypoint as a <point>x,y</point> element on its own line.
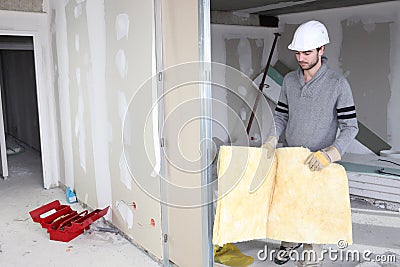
<point>270,145</point>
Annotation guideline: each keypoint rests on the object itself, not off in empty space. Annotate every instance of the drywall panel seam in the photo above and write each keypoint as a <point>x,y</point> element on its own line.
<point>98,104</point>
<point>159,65</point>
<point>155,97</point>
<point>63,87</point>
<point>47,105</point>
<point>80,123</point>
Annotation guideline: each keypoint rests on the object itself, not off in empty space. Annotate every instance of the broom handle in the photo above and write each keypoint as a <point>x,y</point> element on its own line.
<point>261,86</point>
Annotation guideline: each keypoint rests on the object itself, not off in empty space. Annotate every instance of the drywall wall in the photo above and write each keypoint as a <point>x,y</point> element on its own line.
<point>364,47</point>
<point>62,80</point>
<point>246,49</point>
<point>182,132</point>
<point>237,55</point>
<point>22,5</point>
<point>363,41</point>
<point>102,53</point>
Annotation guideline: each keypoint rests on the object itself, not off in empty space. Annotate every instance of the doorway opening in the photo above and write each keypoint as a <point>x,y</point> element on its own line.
<point>20,108</point>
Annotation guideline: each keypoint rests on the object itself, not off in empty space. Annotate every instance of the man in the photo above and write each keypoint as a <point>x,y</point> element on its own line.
<point>315,110</point>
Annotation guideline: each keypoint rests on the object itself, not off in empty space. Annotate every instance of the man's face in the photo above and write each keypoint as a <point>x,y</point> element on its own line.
<point>308,59</point>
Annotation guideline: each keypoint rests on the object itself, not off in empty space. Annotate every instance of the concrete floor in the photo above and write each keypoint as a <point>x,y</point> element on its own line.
<point>25,243</point>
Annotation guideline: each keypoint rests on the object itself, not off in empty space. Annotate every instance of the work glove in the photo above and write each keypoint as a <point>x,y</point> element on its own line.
<point>322,158</point>
<point>270,145</point>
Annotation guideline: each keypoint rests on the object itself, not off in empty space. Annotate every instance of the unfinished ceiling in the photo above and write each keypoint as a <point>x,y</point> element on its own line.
<point>279,7</point>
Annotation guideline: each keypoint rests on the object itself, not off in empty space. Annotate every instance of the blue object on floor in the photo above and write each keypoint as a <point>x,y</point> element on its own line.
<point>71,197</point>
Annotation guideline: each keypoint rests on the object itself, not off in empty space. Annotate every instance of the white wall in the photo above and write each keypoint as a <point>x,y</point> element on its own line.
<point>103,53</point>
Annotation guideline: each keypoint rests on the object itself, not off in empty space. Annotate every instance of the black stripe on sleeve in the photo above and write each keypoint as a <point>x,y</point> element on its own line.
<point>282,104</point>
<point>348,116</point>
<point>346,109</point>
<point>281,110</point>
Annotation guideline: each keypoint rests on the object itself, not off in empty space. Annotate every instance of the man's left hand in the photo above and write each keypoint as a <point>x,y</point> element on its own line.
<point>322,158</point>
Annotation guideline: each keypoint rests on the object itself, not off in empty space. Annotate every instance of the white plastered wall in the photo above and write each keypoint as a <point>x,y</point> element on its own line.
<point>102,52</point>
<point>103,55</point>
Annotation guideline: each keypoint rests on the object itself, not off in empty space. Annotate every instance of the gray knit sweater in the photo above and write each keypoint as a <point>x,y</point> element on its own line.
<point>311,113</point>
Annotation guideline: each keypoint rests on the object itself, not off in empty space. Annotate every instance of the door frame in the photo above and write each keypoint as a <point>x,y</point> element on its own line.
<point>37,25</point>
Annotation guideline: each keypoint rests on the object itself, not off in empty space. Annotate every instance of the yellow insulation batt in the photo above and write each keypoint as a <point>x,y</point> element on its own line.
<point>280,198</point>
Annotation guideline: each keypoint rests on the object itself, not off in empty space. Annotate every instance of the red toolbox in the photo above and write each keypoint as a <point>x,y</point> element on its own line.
<point>63,223</point>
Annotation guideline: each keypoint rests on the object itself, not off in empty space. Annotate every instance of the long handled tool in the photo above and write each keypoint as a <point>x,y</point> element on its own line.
<point>261,86</point>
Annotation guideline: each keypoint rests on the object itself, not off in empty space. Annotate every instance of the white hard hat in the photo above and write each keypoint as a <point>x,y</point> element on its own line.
<point>309,35</point>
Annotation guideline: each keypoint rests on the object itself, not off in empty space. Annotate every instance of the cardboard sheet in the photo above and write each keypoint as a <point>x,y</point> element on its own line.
<point>292,203</point>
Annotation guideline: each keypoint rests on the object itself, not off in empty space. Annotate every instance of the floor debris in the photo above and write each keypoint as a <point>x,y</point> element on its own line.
<point>24,190</point>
